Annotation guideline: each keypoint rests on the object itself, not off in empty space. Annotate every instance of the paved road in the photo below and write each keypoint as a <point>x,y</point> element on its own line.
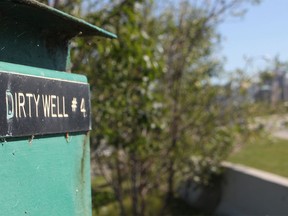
<point>282,134</point>
<point>275,124</point>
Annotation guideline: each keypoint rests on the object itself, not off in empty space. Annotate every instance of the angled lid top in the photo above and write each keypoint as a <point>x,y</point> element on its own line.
<point>37,14</point>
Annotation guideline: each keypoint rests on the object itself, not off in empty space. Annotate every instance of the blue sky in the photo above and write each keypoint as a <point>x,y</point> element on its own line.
<point>262,32</point>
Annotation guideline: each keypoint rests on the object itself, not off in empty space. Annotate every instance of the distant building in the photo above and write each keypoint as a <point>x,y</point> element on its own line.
<point>263,94</point>
<point>271,91</point>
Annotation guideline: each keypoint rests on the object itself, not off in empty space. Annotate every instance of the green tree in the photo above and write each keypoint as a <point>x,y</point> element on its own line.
<point>197,123</point>
<point>122,73</point>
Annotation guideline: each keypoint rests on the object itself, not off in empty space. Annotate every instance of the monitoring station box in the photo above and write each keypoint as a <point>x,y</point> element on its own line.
<point>44,113</point>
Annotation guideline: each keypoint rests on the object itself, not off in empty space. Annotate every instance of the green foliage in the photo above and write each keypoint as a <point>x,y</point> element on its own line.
<point>202,119</point>
<point>123,74</point>
<point>266,77</point>
<point>69,6</point>
<point>121,87</point>
<point>102,198</point>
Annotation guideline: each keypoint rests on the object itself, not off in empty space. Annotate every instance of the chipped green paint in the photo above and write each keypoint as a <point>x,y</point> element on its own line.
<point>34,71</point>
<point>43,175</point>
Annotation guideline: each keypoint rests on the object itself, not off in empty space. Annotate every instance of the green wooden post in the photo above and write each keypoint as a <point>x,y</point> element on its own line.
<point>44,113</point>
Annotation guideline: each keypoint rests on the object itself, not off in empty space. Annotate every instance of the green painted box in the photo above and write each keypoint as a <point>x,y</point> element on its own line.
<point>44,113</point>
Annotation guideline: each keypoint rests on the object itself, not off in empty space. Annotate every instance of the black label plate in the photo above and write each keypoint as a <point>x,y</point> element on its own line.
<point>33,105</point>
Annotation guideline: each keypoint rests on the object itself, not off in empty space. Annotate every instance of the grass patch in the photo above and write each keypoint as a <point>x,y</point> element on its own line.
<point>269,154</point>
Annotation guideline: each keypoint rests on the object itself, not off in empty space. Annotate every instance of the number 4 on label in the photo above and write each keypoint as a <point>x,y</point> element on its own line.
<point>82,107</point>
